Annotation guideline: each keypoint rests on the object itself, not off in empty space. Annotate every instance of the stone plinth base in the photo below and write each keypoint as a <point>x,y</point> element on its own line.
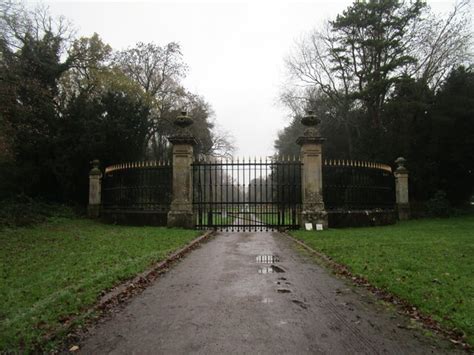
<point>314,217</point>
<point>403,210</point>
<point>181,219</point>
<point>93,211</point>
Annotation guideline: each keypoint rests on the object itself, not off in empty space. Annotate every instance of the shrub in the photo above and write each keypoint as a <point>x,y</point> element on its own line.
<point>23,211</point>
<point>438,205</point>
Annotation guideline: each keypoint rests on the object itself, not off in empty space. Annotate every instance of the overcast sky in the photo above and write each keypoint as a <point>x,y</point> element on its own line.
<point>234,50</point>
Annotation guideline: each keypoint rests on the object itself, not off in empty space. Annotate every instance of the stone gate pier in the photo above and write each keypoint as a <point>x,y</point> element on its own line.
<point>313,210</point>
<point>181,208</point>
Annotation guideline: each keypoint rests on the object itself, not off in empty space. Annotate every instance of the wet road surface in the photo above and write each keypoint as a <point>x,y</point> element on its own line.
<point>254,293</point>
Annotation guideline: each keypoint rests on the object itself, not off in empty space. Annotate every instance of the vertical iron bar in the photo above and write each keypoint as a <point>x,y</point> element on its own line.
<point>232,189</point>
<point>293,194</point>
<point>260,195</point>
<point>221,199</point>
<point>284,192</point>
<point>200,192</point>
<point>248,195</point>
<point>278,193</point>
<point>243,193</point>
<point>239,164</point>
<point>264,193</point>
<point>211,191</point>
<point>227,187</point>
<point>214,201</point>
<point>250,199</point>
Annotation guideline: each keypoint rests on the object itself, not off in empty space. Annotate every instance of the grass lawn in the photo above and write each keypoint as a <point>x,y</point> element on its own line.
<point>429,263</point>
<point>57,269</point>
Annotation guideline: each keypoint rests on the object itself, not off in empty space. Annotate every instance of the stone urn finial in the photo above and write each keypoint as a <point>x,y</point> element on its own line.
<point>95,167</point>
<point>311,121</point>
<point>182,134</point>
<point>400,161</point>
<point>183,120</point>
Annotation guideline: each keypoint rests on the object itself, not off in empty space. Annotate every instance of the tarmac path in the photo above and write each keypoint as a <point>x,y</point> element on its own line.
<point>226,297</point>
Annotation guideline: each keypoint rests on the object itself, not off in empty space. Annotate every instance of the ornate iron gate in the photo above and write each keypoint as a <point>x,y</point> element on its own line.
<point>242,195</point>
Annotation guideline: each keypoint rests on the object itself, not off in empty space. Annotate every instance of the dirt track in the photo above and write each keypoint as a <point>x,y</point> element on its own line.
<point>220,299</point>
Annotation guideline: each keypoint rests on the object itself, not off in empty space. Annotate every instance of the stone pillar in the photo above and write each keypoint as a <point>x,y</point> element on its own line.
<point>311,177</point>
<point>401,190</point>
<point>181,209</point>
<point>95,189</point>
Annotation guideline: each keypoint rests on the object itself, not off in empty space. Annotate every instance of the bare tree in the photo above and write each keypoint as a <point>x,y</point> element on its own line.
<point>223,145</point>
<point>18,23</point>
<point>440,44</point>
<point>158,71</point>
<point>315,71</point>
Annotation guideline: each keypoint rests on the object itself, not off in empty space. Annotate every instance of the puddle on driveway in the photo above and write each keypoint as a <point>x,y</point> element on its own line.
<point>267,259</point>
<point>270,269</point>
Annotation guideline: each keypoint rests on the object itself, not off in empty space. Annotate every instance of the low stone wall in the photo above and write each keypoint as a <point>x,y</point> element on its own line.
<point>135,218</point>
<point>361,218</point>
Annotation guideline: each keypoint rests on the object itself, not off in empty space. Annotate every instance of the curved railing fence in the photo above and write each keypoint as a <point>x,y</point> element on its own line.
<point>357,185</point>
<point>354,192</point>
<point>138,192</point>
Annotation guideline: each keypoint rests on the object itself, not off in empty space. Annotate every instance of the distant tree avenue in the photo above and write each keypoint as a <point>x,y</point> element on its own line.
<point>379,76</point>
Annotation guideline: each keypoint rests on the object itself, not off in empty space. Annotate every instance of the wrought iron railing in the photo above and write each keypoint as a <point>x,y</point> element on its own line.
<point>138,186</point>
<point>357,185</point>
<point>267,190</point>
<point>247,194</point>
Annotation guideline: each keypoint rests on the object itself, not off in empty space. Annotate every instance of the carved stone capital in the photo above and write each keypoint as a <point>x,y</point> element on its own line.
<point>311,133</point>
<point>95,171</point>
<point>309,140</point>
<point>182,139</point>
<point>401,166</point>
<point>183,134</point>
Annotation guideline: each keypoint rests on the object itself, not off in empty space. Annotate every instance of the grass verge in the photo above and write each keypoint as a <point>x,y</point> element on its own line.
<point>23,211</point>
<point>56,270</point>
<point>429,263</point>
